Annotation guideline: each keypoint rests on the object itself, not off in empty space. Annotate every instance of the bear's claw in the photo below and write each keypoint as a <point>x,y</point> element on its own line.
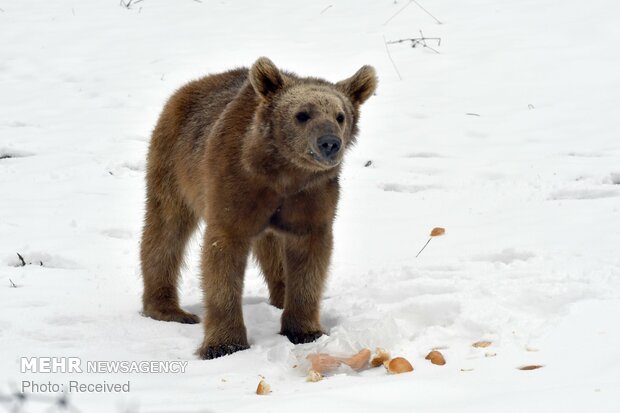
<point>302,338</point>
<point>213,352</point>
<point>172,314</point>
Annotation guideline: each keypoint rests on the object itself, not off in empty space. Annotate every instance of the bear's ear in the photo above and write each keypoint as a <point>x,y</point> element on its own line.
<point>265,78</point>
<point>360,86</point>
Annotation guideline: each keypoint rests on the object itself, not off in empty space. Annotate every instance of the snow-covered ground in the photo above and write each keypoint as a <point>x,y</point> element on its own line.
<point>508,138</point>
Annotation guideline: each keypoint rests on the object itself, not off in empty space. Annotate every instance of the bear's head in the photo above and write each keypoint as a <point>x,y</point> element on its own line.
<point>311,121</point>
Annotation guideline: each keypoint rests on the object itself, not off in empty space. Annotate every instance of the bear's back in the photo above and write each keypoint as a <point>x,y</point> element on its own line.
<point>201,102</point>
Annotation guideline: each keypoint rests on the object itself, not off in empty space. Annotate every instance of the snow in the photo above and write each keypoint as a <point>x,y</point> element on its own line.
<point>507,138</point>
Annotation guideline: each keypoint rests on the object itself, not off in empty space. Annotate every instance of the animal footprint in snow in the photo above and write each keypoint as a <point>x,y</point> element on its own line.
<point>614,178</point>
<point>406,188</point>
<point>581,194</point>
<point>119,233</point>
<point>10,153</point>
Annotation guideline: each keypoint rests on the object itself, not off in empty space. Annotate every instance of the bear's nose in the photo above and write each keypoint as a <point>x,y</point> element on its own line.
<point>329,145</point>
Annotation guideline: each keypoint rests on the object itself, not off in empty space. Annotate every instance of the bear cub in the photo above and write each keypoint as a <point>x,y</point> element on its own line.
<point>256,153</point>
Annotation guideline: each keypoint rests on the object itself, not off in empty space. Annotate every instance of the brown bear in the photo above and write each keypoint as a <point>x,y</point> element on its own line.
<point>256,153</point>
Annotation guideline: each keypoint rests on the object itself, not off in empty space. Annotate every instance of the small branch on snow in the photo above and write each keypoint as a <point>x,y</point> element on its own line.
<point>407,5</point>
<point>128,3</point>
<point>419,41</point>
<point>418,254</point>
<point>426,11</point>
<point>21,259</point>
<point>326,8</point>
<point>397,13</point>
<point>12,283</point>
<point>387,49</point>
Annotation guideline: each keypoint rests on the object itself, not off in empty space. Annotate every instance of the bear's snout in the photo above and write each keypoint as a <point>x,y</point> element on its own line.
<point>329,146</point>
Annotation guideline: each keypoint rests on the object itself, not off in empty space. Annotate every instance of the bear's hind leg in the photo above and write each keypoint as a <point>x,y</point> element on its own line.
<point>167,227</point>
<point>269,252</point>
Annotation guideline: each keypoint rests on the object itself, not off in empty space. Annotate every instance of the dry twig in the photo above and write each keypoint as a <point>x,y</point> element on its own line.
<point>387,49</point>
<point>419,41</point>
<point>326,8</point>
<point>426,11</point>
<point>407,5</point>
<point>397,13</point>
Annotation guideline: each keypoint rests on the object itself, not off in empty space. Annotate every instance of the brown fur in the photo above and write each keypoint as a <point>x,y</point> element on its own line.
<point>230,148</point>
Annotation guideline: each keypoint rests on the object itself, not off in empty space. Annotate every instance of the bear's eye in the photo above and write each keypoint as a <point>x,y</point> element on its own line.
<point>302,117</point>
<point>340,118</point>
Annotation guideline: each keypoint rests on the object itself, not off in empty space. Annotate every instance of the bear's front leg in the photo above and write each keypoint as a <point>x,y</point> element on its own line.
<point>307,261</point>
<point>224,258</point>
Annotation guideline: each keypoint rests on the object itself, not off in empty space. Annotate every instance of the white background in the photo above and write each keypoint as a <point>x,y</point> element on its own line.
<point>508,138</point>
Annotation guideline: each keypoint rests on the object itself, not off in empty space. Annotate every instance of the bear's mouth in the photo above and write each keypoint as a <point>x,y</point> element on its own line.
<point>321,161</point>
